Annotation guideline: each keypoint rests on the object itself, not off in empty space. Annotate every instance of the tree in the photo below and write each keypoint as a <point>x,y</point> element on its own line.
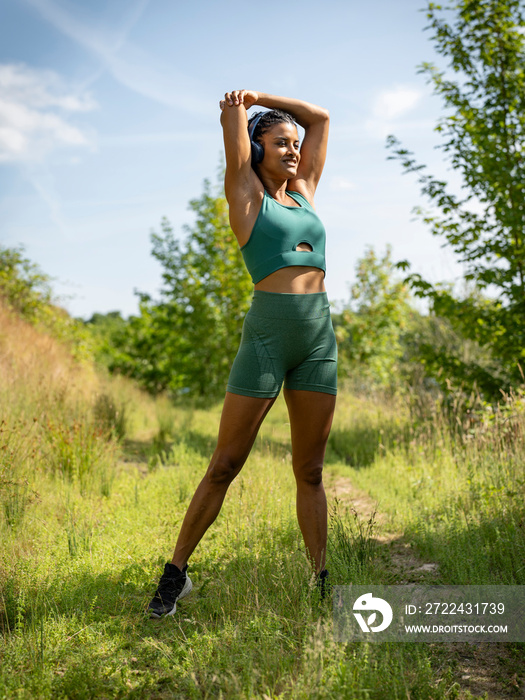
<point>484,140</point>
<point>23,286</point>
<point>370,327</point>
<point>27,292</point>
<point>107,332</point>
<point>186,341</point>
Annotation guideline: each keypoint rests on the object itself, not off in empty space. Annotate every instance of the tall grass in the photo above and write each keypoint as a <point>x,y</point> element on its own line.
<point>95,479</point>
<point>48,418</point>
<point>254,626</point>
<point>456,486</point>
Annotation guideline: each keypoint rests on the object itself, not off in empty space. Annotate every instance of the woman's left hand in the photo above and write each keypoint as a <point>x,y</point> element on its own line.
<point>238,97</point>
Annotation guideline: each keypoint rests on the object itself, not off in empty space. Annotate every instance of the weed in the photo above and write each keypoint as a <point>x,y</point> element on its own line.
<point>15,496</point>
<point>17,447</point>
<point>351,545</point>
<point>79,452</point>
<point>110,418</point>
<point>79,535</point>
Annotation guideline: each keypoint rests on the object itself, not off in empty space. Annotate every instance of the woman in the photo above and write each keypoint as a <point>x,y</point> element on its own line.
<point>287,335</point>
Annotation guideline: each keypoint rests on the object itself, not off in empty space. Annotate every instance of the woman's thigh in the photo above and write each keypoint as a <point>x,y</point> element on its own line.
<point>241,419</point>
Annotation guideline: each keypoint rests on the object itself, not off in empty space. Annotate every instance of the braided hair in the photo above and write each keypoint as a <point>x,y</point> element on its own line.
<point>268,119</point>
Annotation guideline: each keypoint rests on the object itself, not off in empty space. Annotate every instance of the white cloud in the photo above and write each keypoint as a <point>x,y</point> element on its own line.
<point>341,183</point>
<point>389,108</point>
<point>128,64</point>
<point>35,109</point>
<point>394,103</point>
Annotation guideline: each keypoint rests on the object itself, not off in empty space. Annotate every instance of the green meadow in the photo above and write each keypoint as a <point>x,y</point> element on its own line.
<point>95,478</point>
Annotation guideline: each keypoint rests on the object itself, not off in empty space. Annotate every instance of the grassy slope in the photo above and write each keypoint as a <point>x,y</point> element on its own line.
<point>81,556</point>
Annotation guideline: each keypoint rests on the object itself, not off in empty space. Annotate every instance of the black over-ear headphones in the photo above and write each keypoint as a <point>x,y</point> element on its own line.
<point>257,149</point>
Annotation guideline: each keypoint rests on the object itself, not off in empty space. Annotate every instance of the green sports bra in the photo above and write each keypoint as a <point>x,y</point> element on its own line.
<point>277,232</point>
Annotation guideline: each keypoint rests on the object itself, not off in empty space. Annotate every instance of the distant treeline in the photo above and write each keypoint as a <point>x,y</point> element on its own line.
<point>184,342</point>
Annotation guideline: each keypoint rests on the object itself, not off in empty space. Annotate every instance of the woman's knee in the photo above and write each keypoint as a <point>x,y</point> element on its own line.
<point>223,468</point>
<point>309,473</point>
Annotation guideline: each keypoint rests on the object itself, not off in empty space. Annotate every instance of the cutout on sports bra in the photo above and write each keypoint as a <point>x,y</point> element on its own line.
<point>304,247</point>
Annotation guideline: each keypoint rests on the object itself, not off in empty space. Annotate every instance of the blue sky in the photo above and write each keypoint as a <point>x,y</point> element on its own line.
<point>109,120</point>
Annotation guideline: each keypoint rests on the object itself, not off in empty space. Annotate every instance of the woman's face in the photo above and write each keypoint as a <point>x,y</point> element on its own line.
<point>281,150</point>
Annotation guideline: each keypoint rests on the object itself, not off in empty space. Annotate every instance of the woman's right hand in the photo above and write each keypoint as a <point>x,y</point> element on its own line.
<point>238,97</point>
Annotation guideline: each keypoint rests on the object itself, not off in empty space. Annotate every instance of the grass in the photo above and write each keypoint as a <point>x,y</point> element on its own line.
<point>73,622</point>
<point>459,497</point>
<point>93,491</point>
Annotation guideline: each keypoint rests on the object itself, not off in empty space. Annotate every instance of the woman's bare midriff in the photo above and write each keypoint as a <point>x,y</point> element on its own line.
<point>297,279</point>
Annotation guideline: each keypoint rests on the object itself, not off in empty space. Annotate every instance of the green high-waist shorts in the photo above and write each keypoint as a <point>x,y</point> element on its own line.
<point>286,337</point>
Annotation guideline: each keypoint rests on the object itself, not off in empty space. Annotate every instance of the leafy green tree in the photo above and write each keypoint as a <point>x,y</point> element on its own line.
<point>26,291</point>
<point>107,332</point>
<point>370,328</point>
<point>186,340</point>
<point>484,140</point>
<point>24,288</point>
<point>436,354</point>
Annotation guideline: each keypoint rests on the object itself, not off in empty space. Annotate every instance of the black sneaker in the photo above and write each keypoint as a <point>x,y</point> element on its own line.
<point>174,584</point>
<point>323,586</point>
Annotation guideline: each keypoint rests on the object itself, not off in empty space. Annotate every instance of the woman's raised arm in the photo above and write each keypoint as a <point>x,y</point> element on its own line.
<point>314,120</point>
<point>240,177</point>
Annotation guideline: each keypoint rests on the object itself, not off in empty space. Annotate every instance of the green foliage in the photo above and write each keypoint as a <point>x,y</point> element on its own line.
<point>26,291</point>
<point>484,140</point>
<point>106,331</point>
<point>80,451</point>
<point>18,447</point>
<point>109,417</point>
<point>437,354</point>
<point>186,341</point>
<point>351,541</point>
<point>370,328</point>
<point>23,286</point>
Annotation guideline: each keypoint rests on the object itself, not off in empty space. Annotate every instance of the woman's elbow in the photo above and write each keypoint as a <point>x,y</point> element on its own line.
<point>320,116</point>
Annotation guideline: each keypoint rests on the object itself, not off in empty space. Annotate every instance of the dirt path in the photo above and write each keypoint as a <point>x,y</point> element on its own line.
<point>481,670</point>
